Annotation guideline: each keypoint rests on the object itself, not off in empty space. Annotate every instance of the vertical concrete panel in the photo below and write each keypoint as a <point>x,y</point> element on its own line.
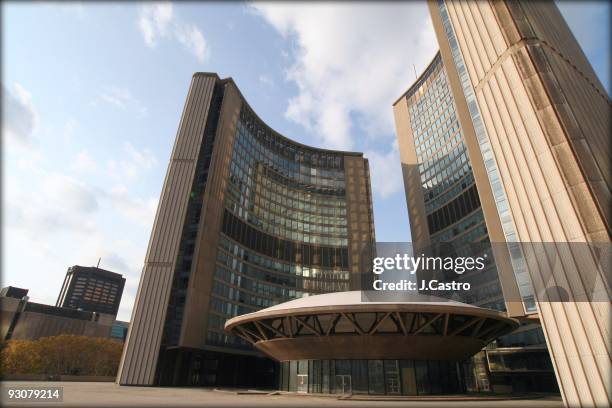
<point>548,122</point>
<point>140,354</point>
<point>193,332</point>
<point>359,214</point>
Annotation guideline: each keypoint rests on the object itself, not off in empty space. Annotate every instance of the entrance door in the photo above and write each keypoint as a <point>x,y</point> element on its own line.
<point>302,384</point>
<point>343,385</point>
<point>408,380</point>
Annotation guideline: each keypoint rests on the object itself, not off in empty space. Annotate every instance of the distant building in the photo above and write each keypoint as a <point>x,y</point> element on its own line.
<point>119,330</point>
<point>13,292</point>
<point>91,289</point>
<point>24,320</point>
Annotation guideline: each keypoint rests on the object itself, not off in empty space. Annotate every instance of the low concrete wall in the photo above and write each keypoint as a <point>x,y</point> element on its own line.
<point>45,377</point>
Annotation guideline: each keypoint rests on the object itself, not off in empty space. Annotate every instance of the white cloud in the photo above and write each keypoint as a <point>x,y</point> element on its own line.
<point>71,194</point>
<point>53,218</point>
<point>386,171</point>
<point>140,211</point>
<point>154,21</point>
<point>122,99</point>
<point>350,59</point>
<point>159,20</point>
<point>18,115</point>
<point>84,162</point>
<point>266,80</point>
<point>61,220</point>
<point>59,204</point>
<point>137,163</point>
<point>69,130</point>
<point>193,40</point>
<point>74,8</point>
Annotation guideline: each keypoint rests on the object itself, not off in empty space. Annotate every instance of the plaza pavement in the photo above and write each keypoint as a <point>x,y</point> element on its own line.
<point>105,394</point>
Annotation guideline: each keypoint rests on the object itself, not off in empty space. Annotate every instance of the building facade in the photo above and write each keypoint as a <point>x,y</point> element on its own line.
<point>247,219</point>
<point>91,289</point>
<point>444,203</point>
<point>446,218</point>
<point>25,320</point>
<point>535,122</point>
<point>119,330</point>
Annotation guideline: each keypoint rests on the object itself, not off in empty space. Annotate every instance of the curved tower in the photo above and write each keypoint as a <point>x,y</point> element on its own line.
<point>247,219</point>
<point>444,203</point>
<point>536,124</point>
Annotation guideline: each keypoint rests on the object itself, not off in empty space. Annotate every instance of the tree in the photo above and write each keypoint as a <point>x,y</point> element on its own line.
<point>65,354</point>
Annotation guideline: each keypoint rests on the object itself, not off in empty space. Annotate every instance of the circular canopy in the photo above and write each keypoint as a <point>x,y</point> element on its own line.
<point>345,325</point>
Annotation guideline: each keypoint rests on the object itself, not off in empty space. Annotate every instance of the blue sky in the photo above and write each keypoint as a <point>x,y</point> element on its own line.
<point>92,95</point>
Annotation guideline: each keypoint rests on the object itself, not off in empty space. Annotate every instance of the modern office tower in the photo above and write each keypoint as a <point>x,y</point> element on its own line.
<point>91,289</point>
<point>446,217</point>
<point>247,219</point>
<point>443,200</point>
<point>536,124</point>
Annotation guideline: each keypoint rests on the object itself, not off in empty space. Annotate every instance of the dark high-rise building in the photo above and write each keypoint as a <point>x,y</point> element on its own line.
<point>523,143</point>
<point>247,219</point>
<point>91,289</point>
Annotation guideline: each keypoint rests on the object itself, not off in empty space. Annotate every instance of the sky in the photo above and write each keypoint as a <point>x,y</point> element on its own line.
<point>92,95</point>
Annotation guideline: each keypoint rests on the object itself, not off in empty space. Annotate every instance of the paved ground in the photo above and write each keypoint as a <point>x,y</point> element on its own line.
<point>83,394</point>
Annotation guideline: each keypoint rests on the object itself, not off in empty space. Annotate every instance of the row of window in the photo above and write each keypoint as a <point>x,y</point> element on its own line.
<point>220,338</point>
<point>288,152</point>
<point>232,252</point>
<point>440,136</point>
<point>223,307</point>
<point>251,171</point>
<point>255,196</point>
<point>308,206</point>
<point>289,251</point>
<point>431,202</point>
<point>241,296</point>
<point>254,172</point>
<point>467,224</point>
<point>437,186</point>
<point>445,108</point>
<point>293,225</point>
<point>454,211</point>
<point>446,166</point>
<point>247,141</point>
<point>301,273</point>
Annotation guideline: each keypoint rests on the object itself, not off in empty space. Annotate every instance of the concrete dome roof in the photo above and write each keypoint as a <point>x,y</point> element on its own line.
<point>364,325</point>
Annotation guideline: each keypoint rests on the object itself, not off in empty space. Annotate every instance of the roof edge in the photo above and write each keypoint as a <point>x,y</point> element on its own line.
<point>299,144</point>
<point>416,81</point>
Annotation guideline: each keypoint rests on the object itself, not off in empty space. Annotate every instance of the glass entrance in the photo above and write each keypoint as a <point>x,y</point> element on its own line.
<point>392,377</point>
<point>302,383</point>
<point>343,385</point>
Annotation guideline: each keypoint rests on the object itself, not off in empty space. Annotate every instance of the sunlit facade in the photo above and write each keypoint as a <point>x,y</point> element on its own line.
<point>535,124</point>
<point>247,219</point>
